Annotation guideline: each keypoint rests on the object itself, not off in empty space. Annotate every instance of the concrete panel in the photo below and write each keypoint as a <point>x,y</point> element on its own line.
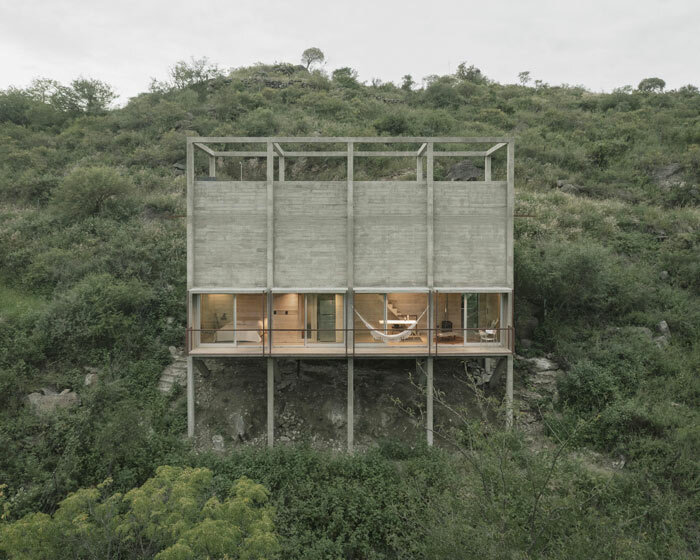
<point>229,228</point>
<point>390,234</point>
<point>310,234</point>
<point>470,233</point>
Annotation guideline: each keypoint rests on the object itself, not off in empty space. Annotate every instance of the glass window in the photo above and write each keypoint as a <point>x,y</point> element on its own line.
<point>482,317</point>
<point>397,318</point>
<point>250,319</point>
<point>216,318</point>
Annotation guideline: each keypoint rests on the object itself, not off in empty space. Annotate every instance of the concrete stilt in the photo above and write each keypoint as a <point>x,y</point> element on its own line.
<point>351,405</point>
<point>429,404</point>
<point>509,392</point>
<point>190,396</point>
<point>270,402</point>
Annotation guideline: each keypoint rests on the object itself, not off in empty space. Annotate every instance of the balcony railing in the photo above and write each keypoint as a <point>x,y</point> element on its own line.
<point>423,341</point>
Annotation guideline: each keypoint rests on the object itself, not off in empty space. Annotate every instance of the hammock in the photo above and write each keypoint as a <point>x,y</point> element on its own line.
<point>379,335</point>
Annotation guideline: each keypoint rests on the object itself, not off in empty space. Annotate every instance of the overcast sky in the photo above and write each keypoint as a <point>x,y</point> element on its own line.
<point>601,44</point>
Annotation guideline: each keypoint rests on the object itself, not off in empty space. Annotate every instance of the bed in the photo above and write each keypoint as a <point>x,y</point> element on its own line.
<point>248,332</point>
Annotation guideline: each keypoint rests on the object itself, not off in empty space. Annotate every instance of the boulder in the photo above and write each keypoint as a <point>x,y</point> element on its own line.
<point>465,170</point>
<point>663,329</point>
<point>50,401</point>
<point>217,442</point>
<point>541,363</point>
<point>91,379</point>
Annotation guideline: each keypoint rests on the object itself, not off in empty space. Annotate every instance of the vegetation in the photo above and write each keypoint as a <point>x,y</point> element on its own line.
<point>92,260</point>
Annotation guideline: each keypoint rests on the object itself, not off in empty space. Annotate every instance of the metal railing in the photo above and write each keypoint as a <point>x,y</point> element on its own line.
<point>431,340</point>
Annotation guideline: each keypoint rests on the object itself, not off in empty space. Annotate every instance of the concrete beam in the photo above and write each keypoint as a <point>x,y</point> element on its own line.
<point>357,139</point>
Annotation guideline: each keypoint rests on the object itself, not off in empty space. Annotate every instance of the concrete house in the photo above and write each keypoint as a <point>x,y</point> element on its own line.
<point>353,268</point>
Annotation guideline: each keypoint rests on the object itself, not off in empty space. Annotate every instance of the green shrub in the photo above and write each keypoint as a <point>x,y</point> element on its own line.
<point>89,191</point>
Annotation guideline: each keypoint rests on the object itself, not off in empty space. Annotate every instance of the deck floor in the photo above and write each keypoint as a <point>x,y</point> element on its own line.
<point>380,351</point>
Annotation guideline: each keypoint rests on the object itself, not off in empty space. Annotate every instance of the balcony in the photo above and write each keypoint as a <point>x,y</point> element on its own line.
<point>296,343</point>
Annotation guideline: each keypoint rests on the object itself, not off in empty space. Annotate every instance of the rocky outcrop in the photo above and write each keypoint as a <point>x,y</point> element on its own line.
<point>175,373</point>
<point>464,171</point>
<point>48,400</point>
<point>668,176</point>
<point>540,386</point>
<point>664,334</point>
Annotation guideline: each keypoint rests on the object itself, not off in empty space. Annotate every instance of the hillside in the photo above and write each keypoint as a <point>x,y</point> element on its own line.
<point>607,275</point>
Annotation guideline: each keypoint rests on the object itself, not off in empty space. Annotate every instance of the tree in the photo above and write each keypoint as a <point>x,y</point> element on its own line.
<point>651,85</point>
<point>346,77</point>
<point>173,516</point>
<point>198,70</point>
<point>91,96</point>
<point>311,56</point>
<point>469,73</point>
<point>524,77</point>
<point>85,191</point>
<point>407,83</point>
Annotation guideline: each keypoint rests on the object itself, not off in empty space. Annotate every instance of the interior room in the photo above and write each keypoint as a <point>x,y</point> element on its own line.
<point>464,318</point>
<point>233,319</point>
<point>393,319</point>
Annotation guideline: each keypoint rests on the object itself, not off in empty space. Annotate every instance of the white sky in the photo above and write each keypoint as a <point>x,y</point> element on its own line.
<point>601,44</point>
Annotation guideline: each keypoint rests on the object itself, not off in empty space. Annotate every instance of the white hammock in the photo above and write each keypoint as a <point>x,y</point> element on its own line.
<point>379,335</point>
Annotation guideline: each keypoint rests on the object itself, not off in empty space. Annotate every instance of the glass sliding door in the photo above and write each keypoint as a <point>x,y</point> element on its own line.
<point>450,318</point>
<point>369,317</point>
<point>216,316</point>
<point>230,319</point>
<point>250,319</point>
<point>482,317</point>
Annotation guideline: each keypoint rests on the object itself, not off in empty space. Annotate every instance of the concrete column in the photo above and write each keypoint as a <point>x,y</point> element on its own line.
<point>487,168</point>
<point>212,166</point>
<point>429,404</point>
<point>270,402</point>
<point>190,396</point>
<point>351,405</point>
<point>509,393</point>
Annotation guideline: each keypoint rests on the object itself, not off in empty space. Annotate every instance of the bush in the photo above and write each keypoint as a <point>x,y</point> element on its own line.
<point>89,191</point>
<point>173,516</point>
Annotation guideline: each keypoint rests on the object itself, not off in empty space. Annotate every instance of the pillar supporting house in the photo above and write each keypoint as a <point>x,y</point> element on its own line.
<point>283,265</point>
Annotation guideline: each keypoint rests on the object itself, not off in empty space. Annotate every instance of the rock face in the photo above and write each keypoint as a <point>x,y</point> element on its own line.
<point>464,171</point>
<point>175,373</point>
<point>48,401</point>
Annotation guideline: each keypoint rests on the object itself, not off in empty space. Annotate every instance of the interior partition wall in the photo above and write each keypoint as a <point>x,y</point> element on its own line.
<point>301,319</point>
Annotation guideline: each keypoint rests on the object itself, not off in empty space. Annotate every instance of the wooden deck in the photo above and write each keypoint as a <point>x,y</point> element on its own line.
<point>378,351</point>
